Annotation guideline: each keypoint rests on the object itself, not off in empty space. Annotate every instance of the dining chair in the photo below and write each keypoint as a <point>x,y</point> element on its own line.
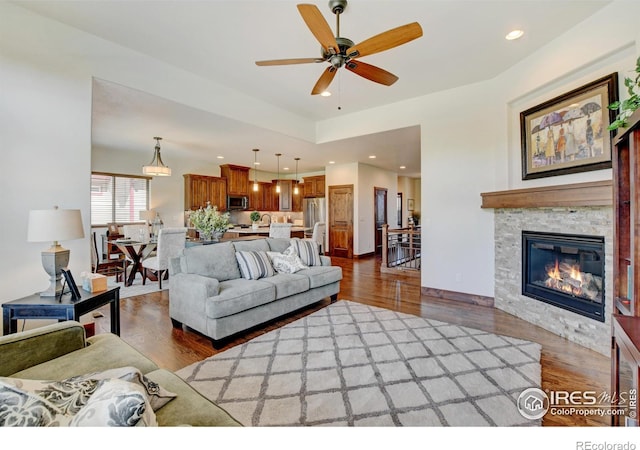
<point>171,242</point>
<point>280,230</point>
<point>103,266</point>
<point>319,230</point>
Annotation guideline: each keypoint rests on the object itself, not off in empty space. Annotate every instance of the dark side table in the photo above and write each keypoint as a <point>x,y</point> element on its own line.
<point>36,307</point>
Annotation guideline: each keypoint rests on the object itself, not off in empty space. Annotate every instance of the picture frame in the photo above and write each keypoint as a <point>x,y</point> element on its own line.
<point>568,134</point>
<point>410,204</point>
<point>73,287</point>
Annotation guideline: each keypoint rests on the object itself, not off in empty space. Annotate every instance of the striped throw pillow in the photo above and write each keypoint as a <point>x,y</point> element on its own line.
<point>308,251</point>
<point>254,265</point>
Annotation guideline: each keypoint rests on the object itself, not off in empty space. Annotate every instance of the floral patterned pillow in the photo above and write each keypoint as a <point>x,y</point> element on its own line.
<point>287,261</point>
<point>56,403</point>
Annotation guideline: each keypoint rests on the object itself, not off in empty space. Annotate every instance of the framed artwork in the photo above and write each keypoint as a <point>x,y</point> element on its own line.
<point>71,283</point>
<point>410,205</point>
<point>568,134</point>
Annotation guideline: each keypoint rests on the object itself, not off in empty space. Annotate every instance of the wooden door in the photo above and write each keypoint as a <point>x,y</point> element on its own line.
<point>340,226</point>
<point>380,214</point>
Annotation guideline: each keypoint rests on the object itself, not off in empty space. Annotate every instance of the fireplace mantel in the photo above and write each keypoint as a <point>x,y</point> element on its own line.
<point>595,193</point>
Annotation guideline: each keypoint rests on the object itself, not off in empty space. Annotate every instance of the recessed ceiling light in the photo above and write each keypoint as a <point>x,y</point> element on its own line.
<point>372,156</point>
<point>256,163</point>
<point>403,167</point>
<point>285,168</point>
<point>220,157</point>
<point>325,94</point>
<point>513,35</point>
<point>332,162</point>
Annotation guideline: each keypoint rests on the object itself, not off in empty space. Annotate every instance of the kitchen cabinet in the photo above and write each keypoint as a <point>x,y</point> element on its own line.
<point>237,179</point>
<point>297,198</point>
<point>314,186</point>
<point>200,189</point>
<point>285,198</point>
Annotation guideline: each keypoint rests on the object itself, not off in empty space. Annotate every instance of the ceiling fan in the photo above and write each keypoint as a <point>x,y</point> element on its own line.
<point>340,51</point>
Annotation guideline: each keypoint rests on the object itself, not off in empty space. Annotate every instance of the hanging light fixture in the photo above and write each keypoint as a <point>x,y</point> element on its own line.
<point>278,179</point>
<point>156,167</point>
<point>255,169</point>
<point>296,191</point>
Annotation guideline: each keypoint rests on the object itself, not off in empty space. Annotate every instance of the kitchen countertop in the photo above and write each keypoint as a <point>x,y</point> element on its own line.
<point>262,230</point>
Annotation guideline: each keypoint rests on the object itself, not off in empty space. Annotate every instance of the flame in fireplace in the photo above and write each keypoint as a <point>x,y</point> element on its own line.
<point>565,277</point>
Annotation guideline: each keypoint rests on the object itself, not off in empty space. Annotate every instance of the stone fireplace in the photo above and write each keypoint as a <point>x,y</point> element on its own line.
<point>578,210</point>
<point>591,329</point>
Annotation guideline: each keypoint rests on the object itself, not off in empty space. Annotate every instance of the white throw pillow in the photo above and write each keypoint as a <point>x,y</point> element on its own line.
<point>254,265</point>
<point>308,251</point>
<point>287,262</point>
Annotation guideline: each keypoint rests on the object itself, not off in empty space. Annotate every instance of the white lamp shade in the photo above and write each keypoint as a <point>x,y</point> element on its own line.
<point>54,225</point>
<point>160,171</point>
<point>147,214</point>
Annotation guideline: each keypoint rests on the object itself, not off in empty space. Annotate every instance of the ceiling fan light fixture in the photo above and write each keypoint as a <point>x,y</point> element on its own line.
<point>325,94</point>
<point>156,167</point>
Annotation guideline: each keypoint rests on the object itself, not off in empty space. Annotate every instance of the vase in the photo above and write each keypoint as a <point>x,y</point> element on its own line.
<point>254,226</point>
<point>217,235</point>
<point>205,235</point>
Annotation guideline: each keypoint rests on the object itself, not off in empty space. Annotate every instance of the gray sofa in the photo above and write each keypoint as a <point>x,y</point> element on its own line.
<point>209,294</point>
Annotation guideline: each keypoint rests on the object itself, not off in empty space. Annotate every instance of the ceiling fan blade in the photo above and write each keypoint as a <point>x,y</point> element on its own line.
<point>319,27</point>
<point>372,73</point>
<point>281,62</point>
<point>324,81</point>
<point>385,41</point>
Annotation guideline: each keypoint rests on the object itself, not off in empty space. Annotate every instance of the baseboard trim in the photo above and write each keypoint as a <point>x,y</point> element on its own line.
<point>364,255</point>
<point>473,299</point>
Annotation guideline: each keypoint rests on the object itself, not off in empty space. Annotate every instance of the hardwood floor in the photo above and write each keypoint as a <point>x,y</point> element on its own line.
<point>566,366</point>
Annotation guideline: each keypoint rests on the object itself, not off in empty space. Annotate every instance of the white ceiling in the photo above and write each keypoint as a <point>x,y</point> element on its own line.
<point>463,42</point>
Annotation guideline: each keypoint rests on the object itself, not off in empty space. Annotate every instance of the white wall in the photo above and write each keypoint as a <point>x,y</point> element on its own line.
<point>470,141</point>
<point>46,72</point>
<point>370,177</point>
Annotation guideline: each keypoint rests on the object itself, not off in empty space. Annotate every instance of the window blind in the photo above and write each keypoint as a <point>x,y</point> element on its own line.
<point>117,198</point>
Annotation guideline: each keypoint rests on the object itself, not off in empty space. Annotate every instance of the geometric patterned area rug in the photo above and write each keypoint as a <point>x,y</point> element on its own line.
<point>357,365</point>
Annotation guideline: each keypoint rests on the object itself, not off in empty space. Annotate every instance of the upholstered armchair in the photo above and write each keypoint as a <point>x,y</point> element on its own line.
<point>171,242</point>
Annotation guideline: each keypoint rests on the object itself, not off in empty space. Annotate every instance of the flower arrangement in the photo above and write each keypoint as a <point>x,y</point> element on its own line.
<point>209,220</point>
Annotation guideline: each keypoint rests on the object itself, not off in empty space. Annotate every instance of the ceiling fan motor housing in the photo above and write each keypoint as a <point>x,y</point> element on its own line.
<point>337,6</point>
<point>339,59</point>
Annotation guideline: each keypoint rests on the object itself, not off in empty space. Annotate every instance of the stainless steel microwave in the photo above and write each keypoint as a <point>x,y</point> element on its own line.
<point>237,202</point>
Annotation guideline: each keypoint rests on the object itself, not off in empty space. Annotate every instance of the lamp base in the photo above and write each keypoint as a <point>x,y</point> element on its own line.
<point>54,260</point>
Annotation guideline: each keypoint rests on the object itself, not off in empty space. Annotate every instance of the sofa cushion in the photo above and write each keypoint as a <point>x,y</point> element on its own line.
<point>254,265</point>
<point>189,407</point>
<point>216,260</point>
<point>104,351</point>
<point>255,245</point>
<point>239,295</point>
<point>278,244</point>
<point>307,250</point>
<point>322,275</point>
<point>287,284</point>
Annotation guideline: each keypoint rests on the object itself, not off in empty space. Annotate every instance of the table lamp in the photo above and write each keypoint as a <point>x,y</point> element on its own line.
<point>54,225</point>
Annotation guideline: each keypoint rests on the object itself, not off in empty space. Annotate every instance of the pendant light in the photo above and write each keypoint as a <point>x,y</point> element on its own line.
<point>156,167</point>
<point>255,169</point>
<point>296,191</point>
<point>278,179</point>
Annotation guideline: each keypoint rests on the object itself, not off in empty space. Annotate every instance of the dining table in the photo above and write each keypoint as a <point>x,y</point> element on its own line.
<point>135,252</point>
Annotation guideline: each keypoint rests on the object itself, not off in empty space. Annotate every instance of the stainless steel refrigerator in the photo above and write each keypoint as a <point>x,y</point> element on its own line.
<point>314,210</point>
